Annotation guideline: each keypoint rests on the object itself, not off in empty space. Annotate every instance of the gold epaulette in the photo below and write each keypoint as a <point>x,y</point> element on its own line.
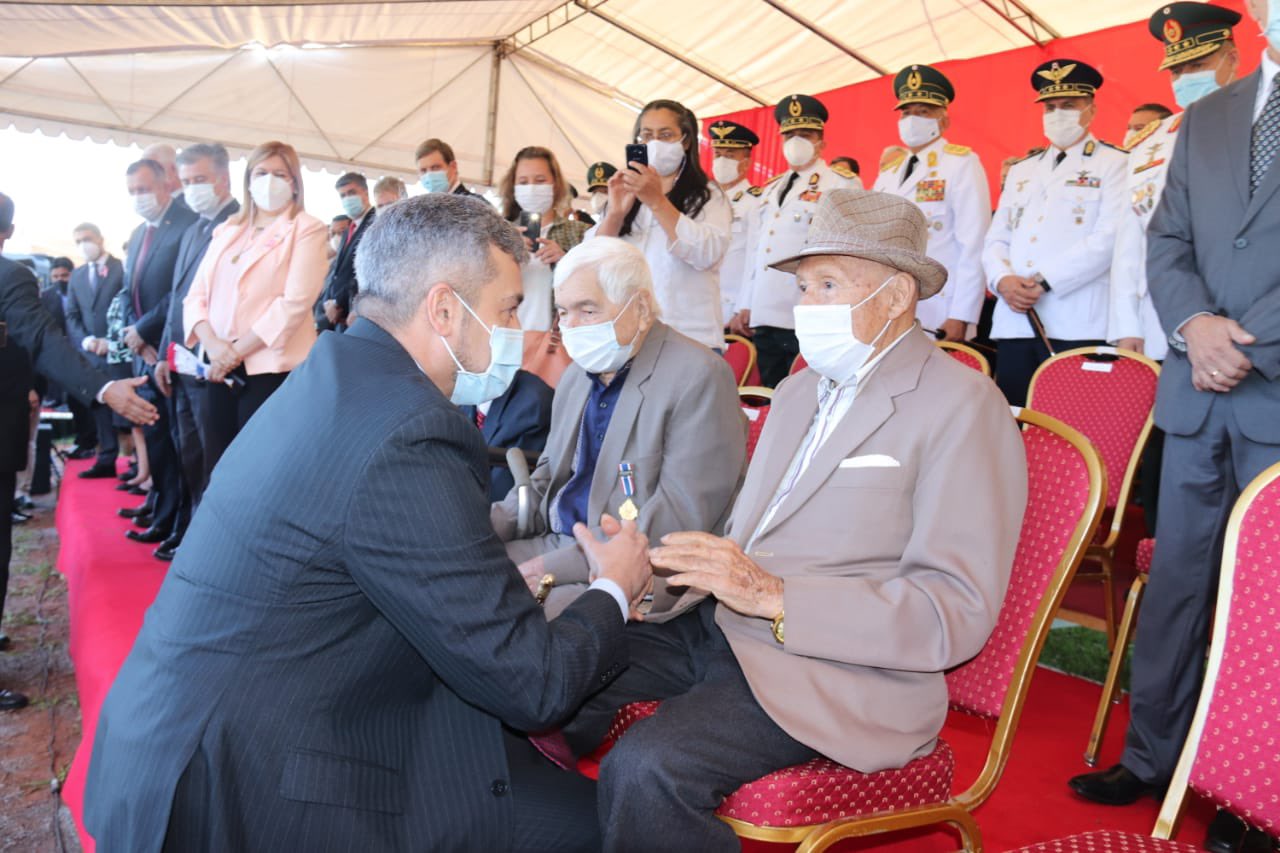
<point>843,171</point>
<point>1143,134</point>
<point>893,164</point>
<point>755,191</point>
<point>774,178</point>
<point>958,150</point>
<point>1177,120</point>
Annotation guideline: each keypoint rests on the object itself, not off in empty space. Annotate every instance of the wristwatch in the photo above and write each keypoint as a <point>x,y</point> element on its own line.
<point>777,627</point>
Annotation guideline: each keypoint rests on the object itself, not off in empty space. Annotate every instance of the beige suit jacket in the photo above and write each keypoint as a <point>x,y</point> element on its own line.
<point>677,421</point>
<point>892,573</point>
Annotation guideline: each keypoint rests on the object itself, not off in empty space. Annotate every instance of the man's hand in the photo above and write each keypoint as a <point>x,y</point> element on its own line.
<point>149,355</point>
<point>331,312</point>
<point>718,566</point>
<point>532,572</point>
<point>124,401</point>
<point>740,323</point>
<point>1130,344</point>
<point>163,380</point>
<point>1216,363</point>
<point>101,347</point>
<point>622,558</point>
<point>1019,292</point>
<point>133,340</point>
<point>954,330</point>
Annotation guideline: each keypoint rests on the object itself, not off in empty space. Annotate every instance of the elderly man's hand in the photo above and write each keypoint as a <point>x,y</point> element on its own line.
<point>718,566</point>
<point>622,558</point>
<point>122,397</point>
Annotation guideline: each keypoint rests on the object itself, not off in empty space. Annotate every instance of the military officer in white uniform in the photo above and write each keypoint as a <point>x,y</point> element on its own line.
<point>1202,57</point>
<point>731,147</point>
<point>1048,253</point>
<point>948,184</point>
<point>778,231</point>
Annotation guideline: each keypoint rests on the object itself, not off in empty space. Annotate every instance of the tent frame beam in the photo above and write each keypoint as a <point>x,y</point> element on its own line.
<point>1022,19</point>
<point>491,120</point>
<point>828,37</point>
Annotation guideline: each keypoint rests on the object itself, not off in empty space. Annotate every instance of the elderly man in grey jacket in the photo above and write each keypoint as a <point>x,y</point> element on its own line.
<point>646,424</point>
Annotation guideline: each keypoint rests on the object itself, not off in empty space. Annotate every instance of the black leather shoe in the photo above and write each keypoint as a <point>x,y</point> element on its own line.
<point>151,536</point>
<point>98,472</point>
<point>145,520</point>
<point>12,700</point>
<point>1115,786</point>
<point>1225,833</point>
<point>18,518</point>
<point>128,474</point>
<point>137,490</point>
<point>132,512</point>
<point>1257,841</point>
<point>165,552</point>
<point>172,543</point>
<point>123,487</point>
<point>23,504</point>
<point>5,642</point>
<point>83,453</point>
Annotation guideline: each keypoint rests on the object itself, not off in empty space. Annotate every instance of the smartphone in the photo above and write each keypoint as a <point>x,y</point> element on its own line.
<point>531,226</point>
<point>637,153</point>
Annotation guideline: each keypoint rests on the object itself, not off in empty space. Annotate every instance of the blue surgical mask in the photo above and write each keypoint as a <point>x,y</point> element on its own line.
<point>435,182</point>
<point>1272,30</point>
<point>1191,87</point>
<point>506,353</point>
<point>352,206</point>
<point>595,348</point>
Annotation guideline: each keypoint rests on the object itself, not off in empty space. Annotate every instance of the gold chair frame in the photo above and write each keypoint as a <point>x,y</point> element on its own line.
<point>1104,553</point>
<point>746,392</point>
<point>958,811</point>
<point>751,359</point>
<point>983,364</point>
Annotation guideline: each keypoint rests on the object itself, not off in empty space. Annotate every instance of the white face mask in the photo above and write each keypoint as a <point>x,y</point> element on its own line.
<point>725,170</point>
<point>798,151</point>
<point>1063,128</point>
<point>595,348</point>
<point>336,241</point>
<point>146,206</point>
<point>506,353</point>
<point>270,192</point>
<point>665,157</point>
<point>91,250</point>
<point>203,199</point>
<point>598,202</point>
<point>918,131</point>
<point>827,341</point>
<point>535,198</point>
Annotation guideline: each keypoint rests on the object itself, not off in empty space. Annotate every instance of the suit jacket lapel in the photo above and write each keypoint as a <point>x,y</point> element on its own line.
<point>1239,121</point>
<point>269,239</point>
<point>562,444</point>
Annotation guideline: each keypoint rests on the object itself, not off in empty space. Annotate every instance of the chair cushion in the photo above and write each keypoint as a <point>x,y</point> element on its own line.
<point>1142,561</point>
<point>821,790</point>
<point>1109,841</point>
<point>627,716</point>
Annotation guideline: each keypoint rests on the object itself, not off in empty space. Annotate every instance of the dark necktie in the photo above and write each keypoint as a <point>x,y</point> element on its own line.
<point>1266,137</point>
<point>791,181</point>
<point>911,167</point>
<point>1057,161</point>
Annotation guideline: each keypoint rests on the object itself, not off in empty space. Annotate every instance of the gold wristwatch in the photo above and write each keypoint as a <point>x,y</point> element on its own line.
<point>777,627</point>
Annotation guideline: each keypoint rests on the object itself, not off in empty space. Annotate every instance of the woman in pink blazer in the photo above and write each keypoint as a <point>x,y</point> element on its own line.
<point>250,303</point>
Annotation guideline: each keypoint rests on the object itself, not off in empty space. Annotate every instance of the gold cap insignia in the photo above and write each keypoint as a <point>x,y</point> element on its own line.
<point>1172,31</point>
<point>599,173</point>
<point>794,107</point>
<point>913,79</point>
<point>722,130</point>
<point>1056,73</point>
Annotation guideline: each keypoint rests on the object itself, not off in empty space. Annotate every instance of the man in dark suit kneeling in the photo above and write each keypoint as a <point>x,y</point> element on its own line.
<point>341,653</point>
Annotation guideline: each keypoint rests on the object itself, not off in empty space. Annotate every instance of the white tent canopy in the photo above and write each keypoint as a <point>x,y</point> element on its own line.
<point>354,84</point>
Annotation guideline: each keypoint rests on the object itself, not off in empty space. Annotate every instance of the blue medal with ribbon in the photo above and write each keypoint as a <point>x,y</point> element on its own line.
<point>628,510</point>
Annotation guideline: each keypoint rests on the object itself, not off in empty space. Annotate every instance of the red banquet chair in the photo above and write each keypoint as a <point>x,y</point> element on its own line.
<point>1107,394</point>
<point>1128,621</point>
<point>756,400</point>
<point>966,355</point>
<point>1230,754</point>
<point>821,802</point>
<point>741,355</point>
<point>798,365</point>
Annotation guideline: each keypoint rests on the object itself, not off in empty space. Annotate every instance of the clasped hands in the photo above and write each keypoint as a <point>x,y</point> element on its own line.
<point>1212,347</point>
<point>1019,292</point>
<point>223,358</point>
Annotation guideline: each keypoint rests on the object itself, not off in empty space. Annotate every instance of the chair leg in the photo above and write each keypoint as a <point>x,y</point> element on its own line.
<point>824,836</point>
<point>1111,687</point>
<point>1109,598</point>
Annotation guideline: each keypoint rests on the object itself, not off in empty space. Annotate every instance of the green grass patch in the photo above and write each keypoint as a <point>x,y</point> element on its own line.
<point>1081,652</point>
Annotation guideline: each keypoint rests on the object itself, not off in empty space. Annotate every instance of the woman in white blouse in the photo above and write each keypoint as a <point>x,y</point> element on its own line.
<point>677,217</point>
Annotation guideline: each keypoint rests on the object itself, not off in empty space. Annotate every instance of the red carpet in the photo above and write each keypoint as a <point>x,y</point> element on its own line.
<point>111,581</point>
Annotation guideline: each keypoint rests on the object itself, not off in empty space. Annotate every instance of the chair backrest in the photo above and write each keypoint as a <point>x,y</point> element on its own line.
<point>1108,395</point>
<point>967,355</point>
<point>741,355</point>
<point>755,405</point>
<point>1230,752</point>
<point>798,365</point>
<point>1065,488</point>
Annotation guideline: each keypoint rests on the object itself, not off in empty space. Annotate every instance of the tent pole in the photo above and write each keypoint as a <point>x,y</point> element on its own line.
<point>550,114</point>
<point>491,121</point>
<point>187,90</point>
<point>95,91</point>
<point>827,37</point>
<point>306,112</point>
<point>1001,8</point>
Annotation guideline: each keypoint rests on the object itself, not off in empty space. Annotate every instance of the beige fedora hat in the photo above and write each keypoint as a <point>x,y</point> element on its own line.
<point>879,227</point>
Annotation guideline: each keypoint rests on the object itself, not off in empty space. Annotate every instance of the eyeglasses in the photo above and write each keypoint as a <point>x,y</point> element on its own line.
<point>664,135</point>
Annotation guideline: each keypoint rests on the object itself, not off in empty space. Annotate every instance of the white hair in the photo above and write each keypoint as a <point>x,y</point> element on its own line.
<point>619,267</point>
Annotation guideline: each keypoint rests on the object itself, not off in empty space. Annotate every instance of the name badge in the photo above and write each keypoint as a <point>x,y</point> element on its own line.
<point>931,190</point>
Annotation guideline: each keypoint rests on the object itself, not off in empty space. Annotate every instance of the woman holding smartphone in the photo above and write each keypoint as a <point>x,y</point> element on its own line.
<point>677,217</point>
<point>536,198</point>
<point>250,303</point>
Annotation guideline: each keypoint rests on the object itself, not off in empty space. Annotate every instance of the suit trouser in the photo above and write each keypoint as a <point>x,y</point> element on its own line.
<point>166,479</point>
<point>223,413</point>
<point>662,782</point>
<point>83,421</point>
<point>7,481</point>
<point>1203,475</point>
<point>186,440</point>
<point>776,349</point>
<point>1018,358</point>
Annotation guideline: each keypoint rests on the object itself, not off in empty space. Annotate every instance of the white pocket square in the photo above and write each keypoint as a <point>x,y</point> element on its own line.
<point>873,460</point>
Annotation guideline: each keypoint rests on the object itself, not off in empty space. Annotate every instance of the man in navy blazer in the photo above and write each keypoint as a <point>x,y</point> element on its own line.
<point>342,285</point>
<point>93,285</point>
<point>341,651</point>
<point>521,418</point>
<point>148,280</point>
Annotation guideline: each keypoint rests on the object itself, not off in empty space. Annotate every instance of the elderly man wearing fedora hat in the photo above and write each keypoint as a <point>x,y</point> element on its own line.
<point>849,578</point>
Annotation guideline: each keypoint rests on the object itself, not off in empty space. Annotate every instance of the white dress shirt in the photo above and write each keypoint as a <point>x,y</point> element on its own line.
<point>745,201</point>
<point>1268,68</point>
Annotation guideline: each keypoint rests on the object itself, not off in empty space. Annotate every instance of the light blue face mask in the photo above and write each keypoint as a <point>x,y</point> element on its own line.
<point>506,353</point>
<point>1272,31</point>
<point>1190,88</point>
<point>435,182</point>
<point>352,206</point>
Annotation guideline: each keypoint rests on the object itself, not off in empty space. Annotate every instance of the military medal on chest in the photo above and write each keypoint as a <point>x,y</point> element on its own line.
<point>628,511</point>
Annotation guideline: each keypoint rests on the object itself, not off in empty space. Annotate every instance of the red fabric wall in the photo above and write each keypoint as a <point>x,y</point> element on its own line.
<point>994,111</point>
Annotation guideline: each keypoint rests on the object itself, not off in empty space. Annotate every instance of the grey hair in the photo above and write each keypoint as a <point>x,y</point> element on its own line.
<point>422,241</point>
<point>88,226</point>
<point>216,153</point>
<point>619,267</point>
<point>391,184</point>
